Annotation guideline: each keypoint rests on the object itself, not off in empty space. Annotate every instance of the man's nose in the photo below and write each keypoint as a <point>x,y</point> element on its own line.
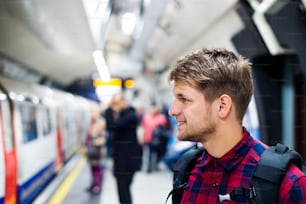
<point>173,110</point>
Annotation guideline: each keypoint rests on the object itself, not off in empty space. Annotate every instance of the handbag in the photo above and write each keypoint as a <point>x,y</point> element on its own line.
<point>93,152</point>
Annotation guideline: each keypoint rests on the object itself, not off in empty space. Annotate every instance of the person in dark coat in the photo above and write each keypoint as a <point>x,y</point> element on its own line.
<point>121,121</point>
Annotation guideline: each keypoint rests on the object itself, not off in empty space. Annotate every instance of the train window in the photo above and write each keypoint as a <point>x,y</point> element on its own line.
<point>46,121</point>
<point>7,127</point>
<point>28,119</point>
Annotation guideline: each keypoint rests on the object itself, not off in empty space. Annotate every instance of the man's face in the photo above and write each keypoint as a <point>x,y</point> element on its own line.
<point>118,103</point>
<point>196,121</point>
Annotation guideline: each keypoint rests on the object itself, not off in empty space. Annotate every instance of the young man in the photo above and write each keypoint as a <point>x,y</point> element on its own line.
<point>212,89</point>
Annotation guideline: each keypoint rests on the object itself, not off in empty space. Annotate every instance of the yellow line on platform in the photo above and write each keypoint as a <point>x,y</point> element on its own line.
<point>63,189</point>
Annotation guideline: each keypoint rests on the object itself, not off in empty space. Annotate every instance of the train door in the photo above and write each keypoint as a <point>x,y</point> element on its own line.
<point>9,153</point>
<point>59,143</point>
<point>2,164</point>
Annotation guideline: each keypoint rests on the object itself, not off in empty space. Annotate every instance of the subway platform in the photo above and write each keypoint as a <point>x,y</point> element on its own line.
<point>69,186</point>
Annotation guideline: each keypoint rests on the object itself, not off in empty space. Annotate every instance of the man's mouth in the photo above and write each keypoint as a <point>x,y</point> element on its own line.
<point>180,123</point>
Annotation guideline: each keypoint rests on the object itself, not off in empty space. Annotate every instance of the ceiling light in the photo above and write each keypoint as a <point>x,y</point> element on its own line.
<point>98,15</point>
<point>101,65</point>
<point>128,22</point>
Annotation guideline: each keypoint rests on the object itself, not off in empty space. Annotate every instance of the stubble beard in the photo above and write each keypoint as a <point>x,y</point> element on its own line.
<point>201,136</point>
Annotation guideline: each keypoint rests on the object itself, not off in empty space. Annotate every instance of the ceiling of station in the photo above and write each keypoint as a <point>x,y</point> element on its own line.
<point>55,37</point>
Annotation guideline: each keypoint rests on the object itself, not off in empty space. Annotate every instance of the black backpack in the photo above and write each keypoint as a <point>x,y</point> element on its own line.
<point>265,182</point>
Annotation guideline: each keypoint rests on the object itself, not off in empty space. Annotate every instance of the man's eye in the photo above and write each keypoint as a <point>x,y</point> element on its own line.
<point>184,100</point>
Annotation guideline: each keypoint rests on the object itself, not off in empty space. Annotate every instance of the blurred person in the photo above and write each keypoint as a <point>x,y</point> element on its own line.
<point>149,122</point>
<point>169,126</point>
<point>121,120</point>
<point>94,150</point>
<point>212,89</point>
<point>159,143</point>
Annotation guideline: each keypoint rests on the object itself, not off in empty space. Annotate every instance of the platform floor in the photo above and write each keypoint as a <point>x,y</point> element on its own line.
<point>147,188</point>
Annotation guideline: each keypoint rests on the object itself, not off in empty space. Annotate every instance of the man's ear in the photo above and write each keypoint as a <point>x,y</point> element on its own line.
<point>225,105</point>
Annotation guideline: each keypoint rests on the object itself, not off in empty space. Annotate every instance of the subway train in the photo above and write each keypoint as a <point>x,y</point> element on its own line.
<point>40,129</point>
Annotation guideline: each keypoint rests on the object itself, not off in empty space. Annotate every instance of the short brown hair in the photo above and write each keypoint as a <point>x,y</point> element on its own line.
<point>216,72</point>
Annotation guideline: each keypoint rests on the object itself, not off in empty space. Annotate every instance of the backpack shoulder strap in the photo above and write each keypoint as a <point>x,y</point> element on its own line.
<point>270,171</point>
<point>182,169</point>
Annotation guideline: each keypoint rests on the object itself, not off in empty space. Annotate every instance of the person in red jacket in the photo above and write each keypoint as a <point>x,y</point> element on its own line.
<point>212,90</point>
<point>151,120</point>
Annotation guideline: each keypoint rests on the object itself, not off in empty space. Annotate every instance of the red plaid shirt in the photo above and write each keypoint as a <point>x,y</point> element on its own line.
<point>213,176</point>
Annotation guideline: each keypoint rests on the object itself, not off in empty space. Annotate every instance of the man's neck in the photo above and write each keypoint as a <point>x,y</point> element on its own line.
<point>223,141</point>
